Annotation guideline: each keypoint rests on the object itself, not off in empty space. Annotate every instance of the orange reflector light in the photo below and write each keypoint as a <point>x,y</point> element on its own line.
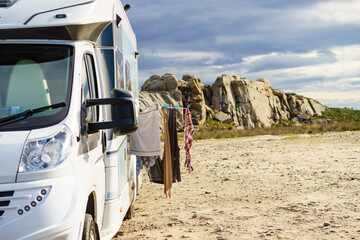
<point>121,209</point>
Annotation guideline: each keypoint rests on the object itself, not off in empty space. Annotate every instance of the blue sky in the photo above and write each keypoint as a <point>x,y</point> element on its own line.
<point>310,47</point>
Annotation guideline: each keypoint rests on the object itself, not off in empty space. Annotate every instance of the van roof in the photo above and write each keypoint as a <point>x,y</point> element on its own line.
<point>80,19</point>
<point>40,13</point>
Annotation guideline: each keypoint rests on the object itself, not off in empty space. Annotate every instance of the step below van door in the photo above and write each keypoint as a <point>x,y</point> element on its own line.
<point>11,147</point>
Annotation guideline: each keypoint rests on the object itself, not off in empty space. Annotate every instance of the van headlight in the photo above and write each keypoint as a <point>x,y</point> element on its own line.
<point>46,153</point>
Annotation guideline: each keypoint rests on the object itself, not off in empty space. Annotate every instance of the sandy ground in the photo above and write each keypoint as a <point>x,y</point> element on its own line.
<point>264,187</point>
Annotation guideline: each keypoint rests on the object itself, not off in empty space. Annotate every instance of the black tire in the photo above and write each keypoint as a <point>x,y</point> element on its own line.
<point>130,212</point>
<point>89,230</point>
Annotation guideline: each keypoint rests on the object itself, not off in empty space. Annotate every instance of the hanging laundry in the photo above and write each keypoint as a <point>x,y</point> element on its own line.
<point>167,157</point>
<point>146,140</point>
<point>175,150</point>
<point>188,139</point>
<point>148,162</point>
<point>156,172</point>
<point>139,165</point>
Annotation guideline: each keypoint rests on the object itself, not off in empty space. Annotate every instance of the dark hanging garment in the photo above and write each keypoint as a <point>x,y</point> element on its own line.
<point>167,163</point>
<point>156,172</point>
<point>175,150</point>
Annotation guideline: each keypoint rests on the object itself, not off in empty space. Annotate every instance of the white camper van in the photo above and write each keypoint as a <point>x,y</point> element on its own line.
<point>68,99</point>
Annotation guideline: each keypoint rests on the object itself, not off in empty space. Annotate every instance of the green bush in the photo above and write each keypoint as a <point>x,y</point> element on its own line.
<point>211,132</point>
<point>342,114</point>
<point>284,123</point>
<point>342,119</point>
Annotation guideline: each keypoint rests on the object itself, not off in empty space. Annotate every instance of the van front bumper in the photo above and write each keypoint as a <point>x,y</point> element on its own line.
<point>46,209</point>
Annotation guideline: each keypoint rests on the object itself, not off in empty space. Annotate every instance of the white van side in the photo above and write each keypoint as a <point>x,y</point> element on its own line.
<point>68,100</point>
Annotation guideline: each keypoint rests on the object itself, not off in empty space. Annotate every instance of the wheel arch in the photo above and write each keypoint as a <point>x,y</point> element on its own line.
<point>92,210</point>
<point>91,206</point>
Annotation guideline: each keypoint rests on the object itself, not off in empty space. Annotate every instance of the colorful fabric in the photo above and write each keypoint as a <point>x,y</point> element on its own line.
<point>188,139</point>
<point>139,165</point>
<point>147,162</point>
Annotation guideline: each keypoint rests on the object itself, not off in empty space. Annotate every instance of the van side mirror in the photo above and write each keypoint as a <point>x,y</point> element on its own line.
<point>123,113</point>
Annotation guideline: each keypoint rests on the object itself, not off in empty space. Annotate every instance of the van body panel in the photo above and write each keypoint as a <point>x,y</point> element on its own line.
<point>50,216</point>
<point>11,146</point>
<point>115,209</point>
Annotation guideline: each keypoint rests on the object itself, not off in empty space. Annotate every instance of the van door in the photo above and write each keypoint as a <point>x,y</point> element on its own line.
<point>90,148</point>
<point>89,90</point>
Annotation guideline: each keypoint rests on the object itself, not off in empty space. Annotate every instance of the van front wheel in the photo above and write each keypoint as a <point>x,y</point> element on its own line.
<point>89,231</point>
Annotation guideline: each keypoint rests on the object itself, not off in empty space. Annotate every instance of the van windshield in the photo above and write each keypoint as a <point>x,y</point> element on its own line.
<point>34,76</point>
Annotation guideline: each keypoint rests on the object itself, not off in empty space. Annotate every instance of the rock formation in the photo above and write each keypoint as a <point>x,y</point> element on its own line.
<point>230,99</point>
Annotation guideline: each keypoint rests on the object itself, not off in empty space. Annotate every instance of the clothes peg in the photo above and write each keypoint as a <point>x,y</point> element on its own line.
<point>177,106</point>
<point>166,105</point>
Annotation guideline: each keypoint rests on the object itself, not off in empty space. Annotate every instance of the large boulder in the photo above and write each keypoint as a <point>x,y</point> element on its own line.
<point>153,84</point>
<point>317,107</point>
<point>170,81</point>
<point>159,100</point>
<point>222,98</point>
<point>156,83</point>
<point>234,99</point>
<point>223,117</point>
<point>193,98</point>
<point>301,104</point>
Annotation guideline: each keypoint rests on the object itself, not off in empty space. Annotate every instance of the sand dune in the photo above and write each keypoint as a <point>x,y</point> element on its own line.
<point>264,187</point>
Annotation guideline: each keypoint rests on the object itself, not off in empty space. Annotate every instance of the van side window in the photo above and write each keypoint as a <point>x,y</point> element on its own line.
<point>89,86</point>
<point>119,70</point>
<point>127,76</point>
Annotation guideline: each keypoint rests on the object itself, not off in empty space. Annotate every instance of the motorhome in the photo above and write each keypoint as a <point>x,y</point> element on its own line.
<point>68,100</point>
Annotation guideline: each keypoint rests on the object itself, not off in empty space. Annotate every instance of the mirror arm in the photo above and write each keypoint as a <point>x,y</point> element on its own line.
<point>106,101</point>
<point>93,127</point>
<point>123,113</point>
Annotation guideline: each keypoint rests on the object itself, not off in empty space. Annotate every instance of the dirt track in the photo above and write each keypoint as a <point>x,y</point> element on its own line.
<point>265,187</point>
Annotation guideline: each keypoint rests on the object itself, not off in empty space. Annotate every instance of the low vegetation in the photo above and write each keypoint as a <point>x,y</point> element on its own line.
<point>342,119</point>
<point>343,114</point>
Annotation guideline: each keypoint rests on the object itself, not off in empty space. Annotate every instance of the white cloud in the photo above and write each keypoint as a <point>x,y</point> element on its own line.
<point>291,24</point>
<point>333,12</point>
<point>335,98</point>
<point>184,56</point>
<point>344,69</point>
<point>251,59</point>
<point>345,64</point>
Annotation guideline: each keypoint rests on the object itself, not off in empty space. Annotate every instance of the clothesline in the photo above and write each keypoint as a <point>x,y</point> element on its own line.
<point>145,143</point>
<point>164,105</point>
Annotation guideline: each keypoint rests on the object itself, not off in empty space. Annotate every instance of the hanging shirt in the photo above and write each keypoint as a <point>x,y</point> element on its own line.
<point>145,142</point>
<point>188,139</point>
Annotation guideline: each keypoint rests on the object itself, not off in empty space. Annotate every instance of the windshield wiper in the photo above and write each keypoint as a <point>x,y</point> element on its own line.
<point>27,113</point>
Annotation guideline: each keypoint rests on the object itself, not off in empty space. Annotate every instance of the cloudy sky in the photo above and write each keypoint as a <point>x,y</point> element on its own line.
<point>310,47</point>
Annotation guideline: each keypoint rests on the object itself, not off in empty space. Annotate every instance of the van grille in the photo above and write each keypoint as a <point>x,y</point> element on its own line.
<point>5,203</point>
